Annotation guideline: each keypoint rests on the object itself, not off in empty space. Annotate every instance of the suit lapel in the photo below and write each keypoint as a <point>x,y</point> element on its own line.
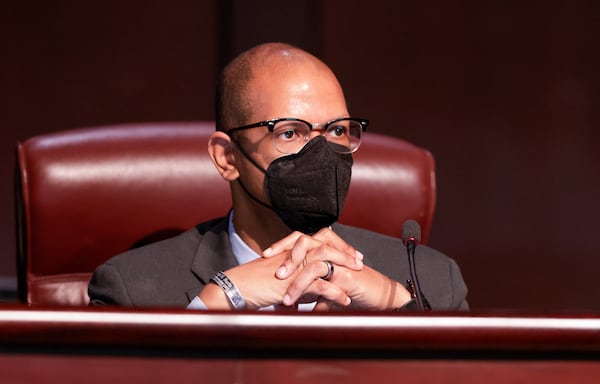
<point>212,255</point>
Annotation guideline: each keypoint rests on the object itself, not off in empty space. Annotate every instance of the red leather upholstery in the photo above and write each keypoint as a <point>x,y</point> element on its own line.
<point>88,194</point>
<point>392,181</point>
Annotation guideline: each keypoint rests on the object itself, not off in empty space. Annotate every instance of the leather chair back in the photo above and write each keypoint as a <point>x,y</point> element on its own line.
<point>85,195</point>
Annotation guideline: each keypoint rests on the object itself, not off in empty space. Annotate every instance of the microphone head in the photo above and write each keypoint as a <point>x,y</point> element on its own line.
<point>411,231</point>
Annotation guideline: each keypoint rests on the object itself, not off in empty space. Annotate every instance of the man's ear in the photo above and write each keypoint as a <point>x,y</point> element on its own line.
<point>220,150</point>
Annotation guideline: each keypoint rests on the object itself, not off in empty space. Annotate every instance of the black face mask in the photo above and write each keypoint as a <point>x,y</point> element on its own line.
<point>307,189</point>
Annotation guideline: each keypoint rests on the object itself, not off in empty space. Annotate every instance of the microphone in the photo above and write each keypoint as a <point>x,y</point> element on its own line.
<point>411,236</point>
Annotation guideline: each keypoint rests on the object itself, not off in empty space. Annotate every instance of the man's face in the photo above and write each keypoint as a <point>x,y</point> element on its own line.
<point>298,89</point>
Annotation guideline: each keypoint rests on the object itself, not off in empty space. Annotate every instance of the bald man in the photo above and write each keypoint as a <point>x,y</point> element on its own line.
<point>284,142</point>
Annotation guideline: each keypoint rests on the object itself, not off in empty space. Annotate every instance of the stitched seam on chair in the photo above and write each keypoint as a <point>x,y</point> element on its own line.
<point>61,277</point>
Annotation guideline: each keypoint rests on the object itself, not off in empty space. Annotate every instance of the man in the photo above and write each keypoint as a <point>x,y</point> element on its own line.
<point>284,142</point>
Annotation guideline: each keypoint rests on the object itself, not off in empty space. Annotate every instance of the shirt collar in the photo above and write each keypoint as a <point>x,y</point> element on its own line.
<point>242,252</point>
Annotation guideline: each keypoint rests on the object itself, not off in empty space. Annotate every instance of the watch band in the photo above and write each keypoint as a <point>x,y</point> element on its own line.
<point>411,305</point>
<point>233,294</point>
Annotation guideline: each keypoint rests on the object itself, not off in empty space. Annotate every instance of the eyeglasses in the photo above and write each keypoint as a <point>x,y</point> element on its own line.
<point>291,134</point>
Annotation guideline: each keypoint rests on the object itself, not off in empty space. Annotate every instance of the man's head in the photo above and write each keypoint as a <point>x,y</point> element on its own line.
<point>265,74</point>
<point>274,81</point>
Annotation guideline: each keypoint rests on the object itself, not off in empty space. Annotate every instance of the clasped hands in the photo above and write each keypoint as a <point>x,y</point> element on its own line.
<point>291,271</point>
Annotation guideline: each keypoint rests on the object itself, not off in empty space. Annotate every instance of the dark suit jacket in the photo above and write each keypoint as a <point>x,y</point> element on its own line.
<point>172,272</point>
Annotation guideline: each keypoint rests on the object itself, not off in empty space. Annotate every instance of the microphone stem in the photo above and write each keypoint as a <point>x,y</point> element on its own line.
<point>410,247</point>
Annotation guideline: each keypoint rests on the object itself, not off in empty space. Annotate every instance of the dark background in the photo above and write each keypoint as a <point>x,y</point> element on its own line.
<point>504,93</point>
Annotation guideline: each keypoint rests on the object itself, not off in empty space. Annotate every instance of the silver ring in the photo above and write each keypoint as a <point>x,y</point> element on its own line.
<point>329,273</point>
